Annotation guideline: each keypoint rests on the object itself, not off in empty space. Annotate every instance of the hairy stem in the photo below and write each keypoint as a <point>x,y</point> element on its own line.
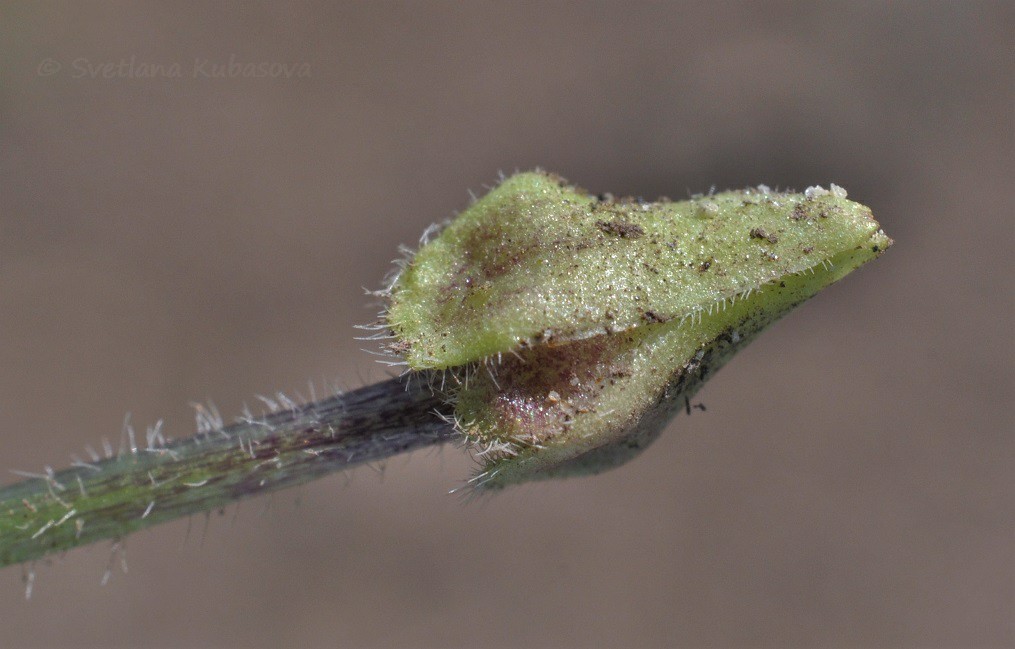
<point>151,481</point>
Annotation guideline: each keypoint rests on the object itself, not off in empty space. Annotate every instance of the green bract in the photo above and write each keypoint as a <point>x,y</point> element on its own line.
<point>612,313</point>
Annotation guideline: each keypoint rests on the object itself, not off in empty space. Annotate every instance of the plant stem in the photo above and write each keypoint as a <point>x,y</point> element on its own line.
<point>152,481</point>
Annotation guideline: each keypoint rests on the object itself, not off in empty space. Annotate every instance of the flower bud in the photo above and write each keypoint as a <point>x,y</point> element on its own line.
<point>577,325</point>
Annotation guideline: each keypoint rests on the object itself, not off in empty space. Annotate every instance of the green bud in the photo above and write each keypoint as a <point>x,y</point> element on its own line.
<point>576,326</point>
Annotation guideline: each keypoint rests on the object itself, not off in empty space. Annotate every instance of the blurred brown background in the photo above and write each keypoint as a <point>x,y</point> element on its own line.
<point>166,240</point>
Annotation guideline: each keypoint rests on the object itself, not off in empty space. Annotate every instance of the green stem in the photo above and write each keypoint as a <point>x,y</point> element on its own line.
<point>152,481</point>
